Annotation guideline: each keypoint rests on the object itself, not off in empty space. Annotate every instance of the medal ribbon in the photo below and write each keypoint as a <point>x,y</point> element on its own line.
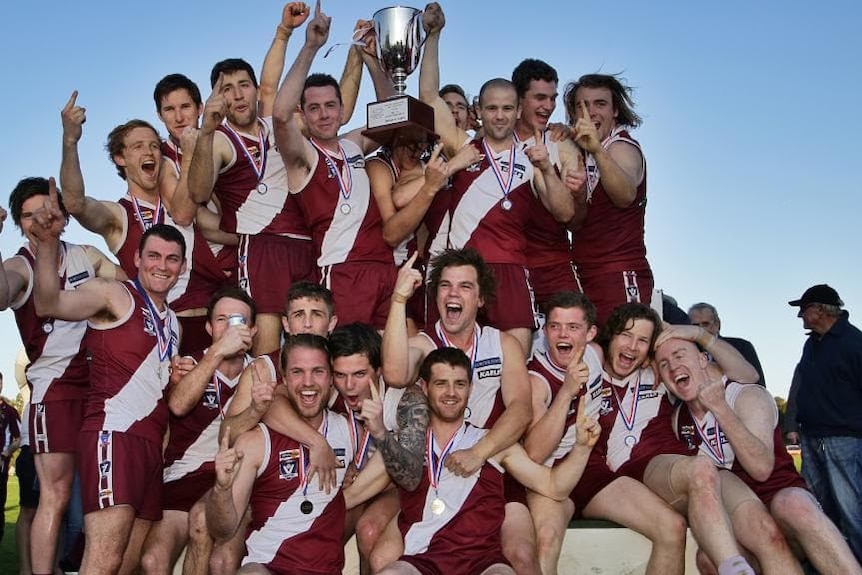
<point>259,168</point>
<point>303,458</point>
<point>718,451</point>
<point>629,420</point>
<point>505,185</point>
<point>345,186</point>
<point>361,444</point>
<point>472,352</point>
<point>163,329</point>
<point>435,464</point>
<point>158,216</point>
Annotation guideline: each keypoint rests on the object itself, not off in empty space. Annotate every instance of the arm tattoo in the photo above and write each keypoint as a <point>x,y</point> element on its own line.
<point>405,457</point>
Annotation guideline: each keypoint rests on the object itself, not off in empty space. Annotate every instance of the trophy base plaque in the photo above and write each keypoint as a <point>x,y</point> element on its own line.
<point>401,115</point>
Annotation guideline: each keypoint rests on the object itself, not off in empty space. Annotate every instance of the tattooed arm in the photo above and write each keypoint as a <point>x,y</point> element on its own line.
<point>405,456</point>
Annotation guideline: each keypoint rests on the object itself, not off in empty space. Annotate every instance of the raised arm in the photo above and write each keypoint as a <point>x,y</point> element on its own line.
<point>401,359</point>
<point>728,359</point>
<point>14,275</point>
<point>103,266</point>
<point>550,188</point>
<point>251,399</point>
<point>102,218</point>
<point>429,82</point>
<point>236,468</point>
<point>749,426</point>
<point>292,17</point>
<point>173,189</point>
<point>621,165</point>
<point>511,424</point>
<point>296,152</point>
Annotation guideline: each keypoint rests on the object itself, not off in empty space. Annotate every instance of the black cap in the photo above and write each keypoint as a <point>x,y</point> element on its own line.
<point>821,293</point>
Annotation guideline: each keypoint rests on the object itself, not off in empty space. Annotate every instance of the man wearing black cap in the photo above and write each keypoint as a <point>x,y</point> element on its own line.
<point>829,401</point>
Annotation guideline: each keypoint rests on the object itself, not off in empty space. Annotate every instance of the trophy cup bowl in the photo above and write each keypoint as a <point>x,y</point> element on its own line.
<point>399,42</point>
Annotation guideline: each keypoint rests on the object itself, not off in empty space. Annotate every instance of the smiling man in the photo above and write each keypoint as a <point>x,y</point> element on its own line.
<point>131,337</point>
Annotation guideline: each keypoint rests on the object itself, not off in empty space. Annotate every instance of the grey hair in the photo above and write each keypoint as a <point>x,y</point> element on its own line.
<point>704,305</point>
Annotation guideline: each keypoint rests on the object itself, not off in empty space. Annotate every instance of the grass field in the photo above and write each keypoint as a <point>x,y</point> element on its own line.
<point>8,553</point>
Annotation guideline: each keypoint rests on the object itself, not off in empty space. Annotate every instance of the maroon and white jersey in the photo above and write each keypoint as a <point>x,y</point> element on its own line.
<point>551,376</point>
<point>635,416</point>
<point>280,536</point>
<point>705,436</point>
<point>203,275</point>
<point>469,526</point>
<point>58,365</point>
<point>172,152</point>
<point>127,375</point>
<point>193,439</point>
<point>251,204</point>
<point>338,205</point>
<point>486,397</point>
<point>548,241</point>
<point>409,245</point>
<point>611,239</point>
<point>478,217</point>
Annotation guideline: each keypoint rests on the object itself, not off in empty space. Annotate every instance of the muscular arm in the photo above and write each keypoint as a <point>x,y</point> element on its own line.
<point>270,74</point>
<point>14,280</point>
<point>555,483</point>
<point>549,422</point>
<point>230,494</point>
<point>405,456</point>
<point>621,169</point>
<point>103,266</point>
<point>749,428</point>
<point>729,360</point>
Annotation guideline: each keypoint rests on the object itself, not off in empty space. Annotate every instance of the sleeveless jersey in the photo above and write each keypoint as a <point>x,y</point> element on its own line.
<point>203,275</point>
<point>280,535</point>
<point>552,376</point>
<point>486,397</point>
<point>345,227</point>
<point>693,432</point>
<point>410,244</point>
<point>470,524</point>
<point>476,217</point>
<point>193,439</point>
<point>636,418</point>
<point>127,377</point>
<point>247,206</point>
<point>611,238</point>
<point>173,153</point>
<point>548,241</point>
<point>58,367</point>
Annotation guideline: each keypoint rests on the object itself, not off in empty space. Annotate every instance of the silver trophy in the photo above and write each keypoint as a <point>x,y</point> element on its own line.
<point>399,42</point>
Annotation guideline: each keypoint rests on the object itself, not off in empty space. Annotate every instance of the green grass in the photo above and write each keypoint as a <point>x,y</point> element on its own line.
<point>8,551</point>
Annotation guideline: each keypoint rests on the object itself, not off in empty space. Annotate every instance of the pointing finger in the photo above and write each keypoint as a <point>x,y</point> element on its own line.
<point>317,8</point>
<point>375,394</point>
<point>411,260</point>
<point>217,85</point>
<point>584,110</point>
<point>435,153</point>
<point>71,103</point>
<point>538,137</point>
<point>224,444</point>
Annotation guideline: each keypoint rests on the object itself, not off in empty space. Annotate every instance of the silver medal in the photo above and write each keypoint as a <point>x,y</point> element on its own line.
<point>437,506</point>
<point>506,204</point>
<point>47,327</point>
<point>630,440</point>
<point>262,188</point>
<point>345,209</point>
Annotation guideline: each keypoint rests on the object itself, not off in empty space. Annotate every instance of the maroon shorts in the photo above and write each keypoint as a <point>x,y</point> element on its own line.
<point>194,336</point>
<point>361,291</point>
<point>181,494</point>
<point>596,477</point>
<point>120,469</point>
<point>548,280</point>
<point>609,290</point>
<point>456,562</point>
<point>54,425</point>
<point>513,491</point>
<point>514,305</point>
<point>269,265</point>
<point>228,262</point>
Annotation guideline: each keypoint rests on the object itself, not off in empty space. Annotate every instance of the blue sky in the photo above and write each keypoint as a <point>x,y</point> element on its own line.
<point>750,139</point>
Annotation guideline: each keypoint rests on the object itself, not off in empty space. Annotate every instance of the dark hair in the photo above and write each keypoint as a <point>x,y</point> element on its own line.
<point>529,70</point>
<point>353,338</point>
<point>495,83</point>
<point>623,317</point>
<point>166,232</point>
<point>569,300</point>
<point>305,340</point>
<point>172,83</point>
<point>318,80</point>
<point>453,89</point>
<point>231,66</point>
<point>312,291</point>
<point>26,189</point>
<point>464,257</point>
<point>451,356</point>
<point>231,292</point>
<point>117,137</point>
<point>620,94</point>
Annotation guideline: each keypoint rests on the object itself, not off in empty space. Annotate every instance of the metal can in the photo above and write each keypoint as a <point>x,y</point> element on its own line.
<point>235,319</point>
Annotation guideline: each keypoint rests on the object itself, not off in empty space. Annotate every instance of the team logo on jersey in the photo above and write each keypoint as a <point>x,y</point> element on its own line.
<point>606,406</point>
<point>341,456</point>
<point>490,367</point>
<point>687,433</point>
<point>78,278</point>
<point>288,464</point>
<point>356,161</point>
<point>105,438</point>
<point>40,408</point>
<point>149,324</point>
<point>105,467</point>
<point>474,167</point>
<point>210,398</point>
